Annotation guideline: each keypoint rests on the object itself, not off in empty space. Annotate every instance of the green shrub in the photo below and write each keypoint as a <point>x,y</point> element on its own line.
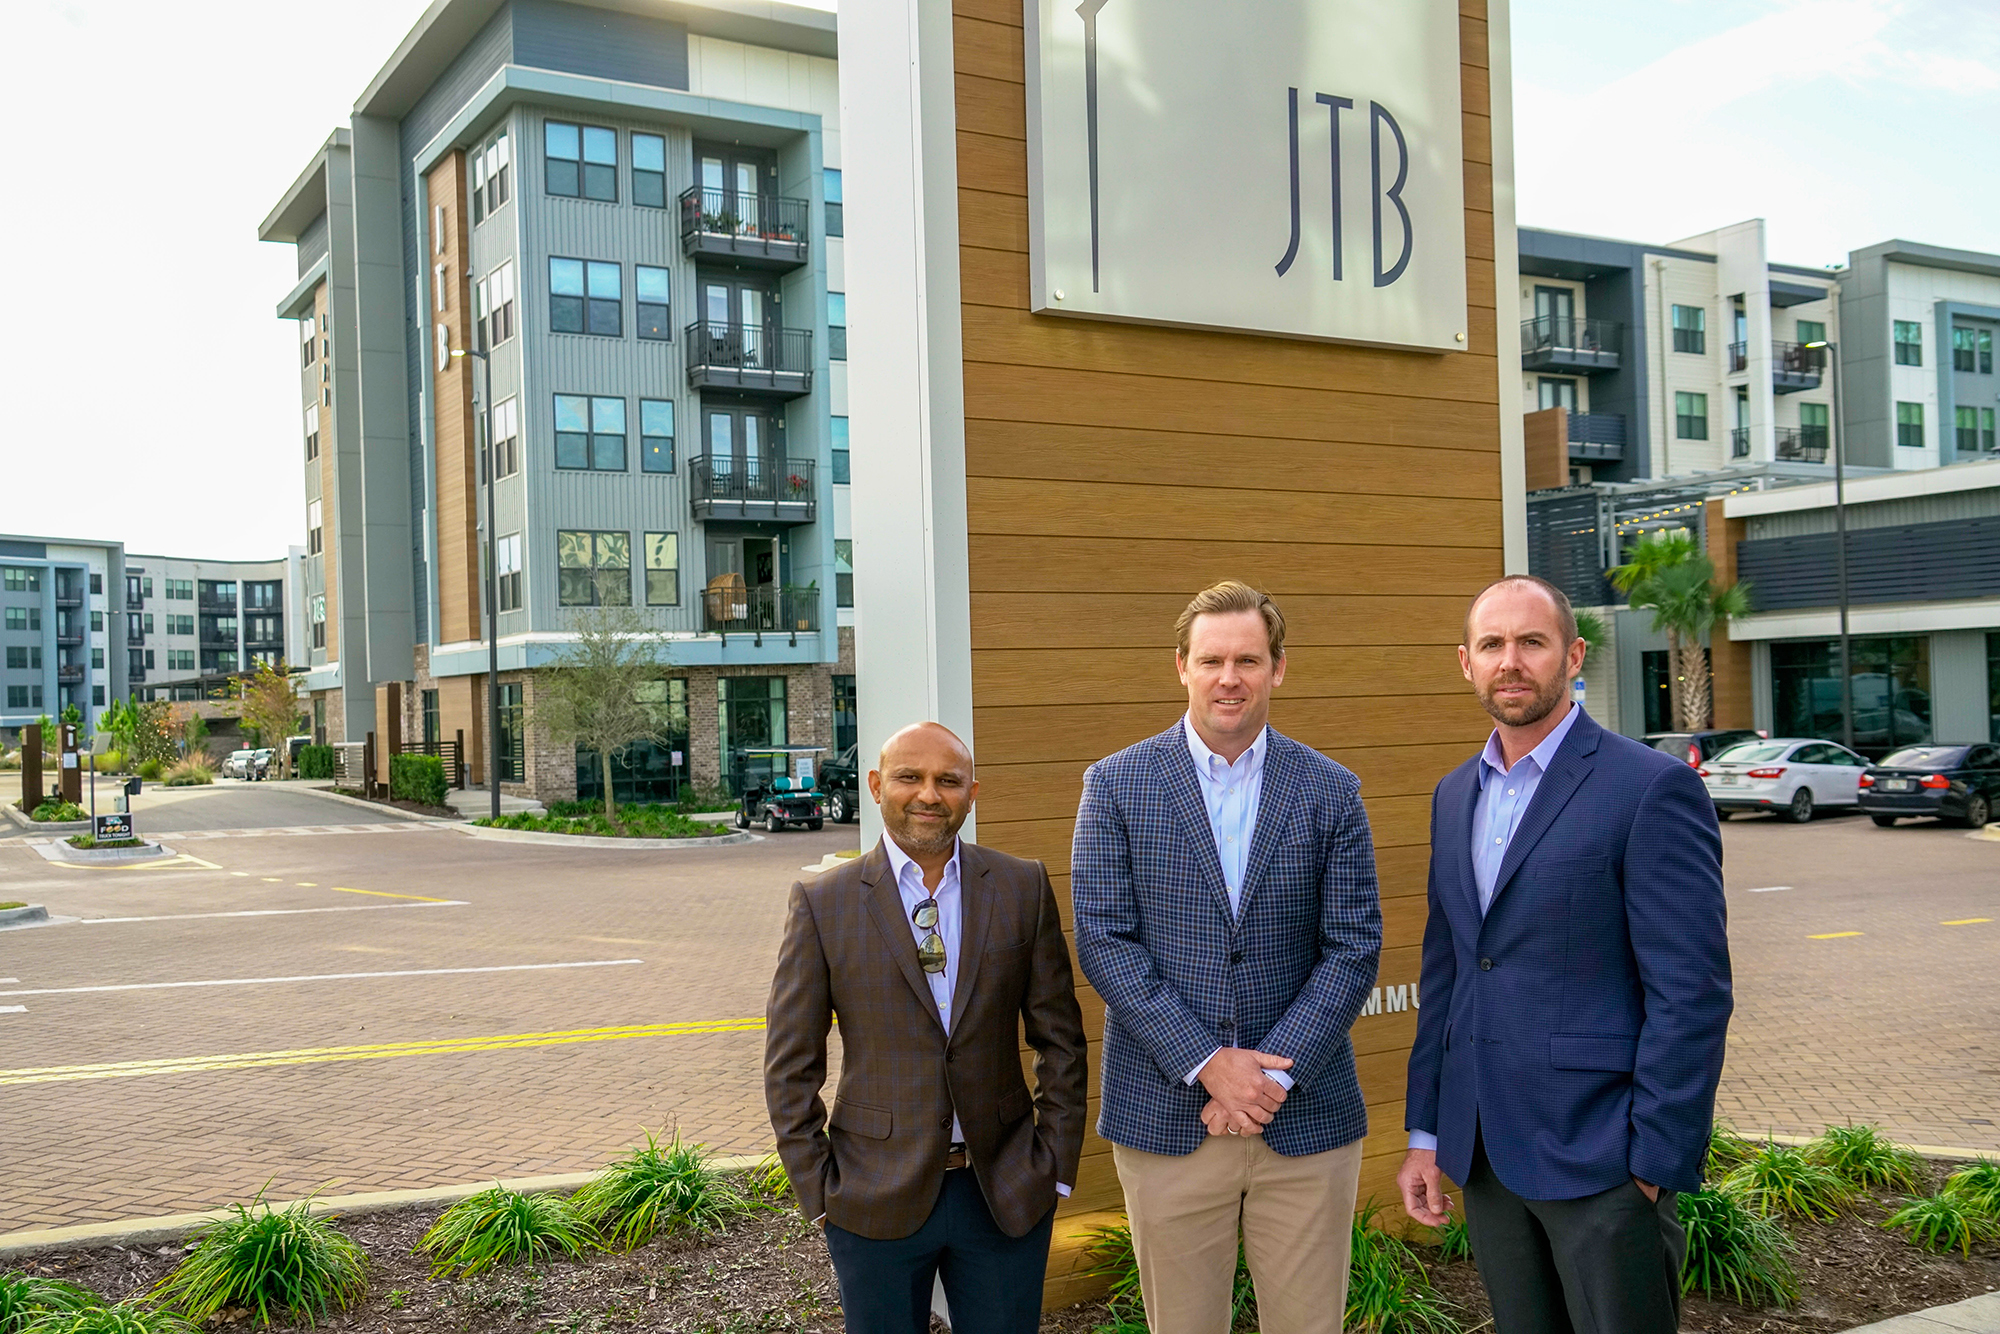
<point>1726,1149</point>
<point>26,1297</point>
<point>110,762</point>
<point>315,761</point>
<point>54,810</point>
<point>150,770</point>
<point>1863,1156</point>
<point>267,1262</point>
<point>194,771</point>
<point>1942,1223</point>
<point>654,1190</point>
<point>122,1318</point>
<point>587,818</point>
<point>1779,1179</point>
<point>1734,1252</point>
<point>418,778</point>
<point>500,1226</point>
<point>1977,1186</point>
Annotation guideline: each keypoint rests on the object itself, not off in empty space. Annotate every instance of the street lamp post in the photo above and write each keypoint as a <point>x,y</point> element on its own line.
<point>1832,351</point>
<point>492,599</point>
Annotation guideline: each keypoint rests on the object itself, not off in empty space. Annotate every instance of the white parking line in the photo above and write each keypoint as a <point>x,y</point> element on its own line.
<point>264,912</point>
<point>13,1009</point>
<point>321,977</point>
<point>1771,889</point>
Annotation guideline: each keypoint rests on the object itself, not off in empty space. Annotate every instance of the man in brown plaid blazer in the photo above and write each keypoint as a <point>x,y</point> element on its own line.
<point>937,1161</point>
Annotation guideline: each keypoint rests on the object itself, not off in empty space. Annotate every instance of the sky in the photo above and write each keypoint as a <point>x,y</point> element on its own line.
<point>151,139</point>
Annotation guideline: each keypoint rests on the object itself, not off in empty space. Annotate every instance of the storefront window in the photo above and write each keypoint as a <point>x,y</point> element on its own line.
<point>846,720</point>
<point>750,713</point>
<point>513,756</point>
<point>645,771</point>
<point>1993,685</point>
<point>1891,677</point>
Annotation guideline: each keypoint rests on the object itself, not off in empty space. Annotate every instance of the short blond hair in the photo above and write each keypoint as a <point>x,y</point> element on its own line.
<point>1223,599</point>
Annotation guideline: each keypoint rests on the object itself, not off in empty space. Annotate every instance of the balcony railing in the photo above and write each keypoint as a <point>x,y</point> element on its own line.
<point>761,231</point>
<point>69,595</point>
<point>1802,444</point>
<point>749,358</point>
<point>1739,443</point>
<point>730,607</point>
<point>1597,437</point>
<point>69,673</point>
<point>1567,343</point>
<point>771,490</point>
<point>211,602</point>
<point>136,675</point>
<point>1794,366</point>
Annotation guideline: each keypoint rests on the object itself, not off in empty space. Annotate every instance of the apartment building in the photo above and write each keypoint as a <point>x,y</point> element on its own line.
<point>62,631</point>
<point>601,244</point>
<point>191,624</point>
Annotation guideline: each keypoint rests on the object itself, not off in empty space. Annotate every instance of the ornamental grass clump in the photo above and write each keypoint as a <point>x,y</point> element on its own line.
<point>1779,1179</point>
<point>501,1226</point>
<point>1977,1186</point>
<point>1942,1223</point>
<point>25,1298</point>
<point>122,1318</point>
<point>1735,1252</point>
<point>1454,1239</point>
<point>1864,1157</point>
<point>1388,1289</point>
<point>268,1262</point>
<point>1726,1149</point>
<point>653,1190</point>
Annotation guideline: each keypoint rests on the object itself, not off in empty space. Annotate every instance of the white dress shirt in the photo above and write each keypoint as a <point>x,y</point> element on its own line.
<point>1231,793</point>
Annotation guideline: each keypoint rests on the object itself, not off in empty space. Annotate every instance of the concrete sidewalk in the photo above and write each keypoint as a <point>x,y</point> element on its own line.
<point>1974,1315</point>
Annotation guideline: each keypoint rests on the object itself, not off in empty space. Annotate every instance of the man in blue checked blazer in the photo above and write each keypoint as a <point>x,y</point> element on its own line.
<point>1576,992</point>
<point>1223,883</point>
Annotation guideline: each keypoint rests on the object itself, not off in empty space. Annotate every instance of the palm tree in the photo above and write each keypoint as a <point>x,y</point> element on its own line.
<point>1669,574</point>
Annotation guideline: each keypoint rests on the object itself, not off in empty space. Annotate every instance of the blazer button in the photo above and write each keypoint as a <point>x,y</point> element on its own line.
<point>1486,965</point>
<point>1236,956</point>
<point>950,1056</point>
<point>944,1123</point>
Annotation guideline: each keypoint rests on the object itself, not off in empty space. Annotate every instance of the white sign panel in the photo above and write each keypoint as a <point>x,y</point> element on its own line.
<point>1273,166</point>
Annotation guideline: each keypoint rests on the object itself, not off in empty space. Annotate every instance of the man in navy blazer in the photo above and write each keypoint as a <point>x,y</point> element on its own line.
<point>1223,881</point>
<point>1576,992</point>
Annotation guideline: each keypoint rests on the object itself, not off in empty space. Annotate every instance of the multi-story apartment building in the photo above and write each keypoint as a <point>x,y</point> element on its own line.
<point>62,630</point>
<point>190,624</point>
<point>604,239</point>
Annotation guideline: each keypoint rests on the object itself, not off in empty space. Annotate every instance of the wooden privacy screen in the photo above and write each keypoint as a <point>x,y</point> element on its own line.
<point>1114,469</point>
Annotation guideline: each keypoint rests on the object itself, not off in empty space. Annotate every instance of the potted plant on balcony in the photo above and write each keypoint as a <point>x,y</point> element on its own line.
<point>799,486</point>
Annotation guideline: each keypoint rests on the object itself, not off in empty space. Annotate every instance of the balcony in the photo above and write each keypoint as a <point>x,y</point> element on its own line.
<point>217,640</point>
<point>769,490</point>
<point>136,675</point>
<point>69,673</point>
<point>68,634</point>
<point>729,607</point>
<point>761,231</point>
<point>1802,444</point>
<point>748,359</point>
<point>1794,366</point>
<point>1597,437</point>
<point>1570,346</point>
<point>69,595</point>
<point>211,602</point>
<point>1739,443</point>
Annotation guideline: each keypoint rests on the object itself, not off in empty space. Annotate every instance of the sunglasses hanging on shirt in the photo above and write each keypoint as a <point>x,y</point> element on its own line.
<point>930,950</point>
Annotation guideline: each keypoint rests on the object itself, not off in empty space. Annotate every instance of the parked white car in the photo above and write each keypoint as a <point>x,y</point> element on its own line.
<point>1792,776</point>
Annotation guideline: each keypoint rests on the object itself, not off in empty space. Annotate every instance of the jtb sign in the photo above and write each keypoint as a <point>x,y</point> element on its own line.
<point>1274,166</point>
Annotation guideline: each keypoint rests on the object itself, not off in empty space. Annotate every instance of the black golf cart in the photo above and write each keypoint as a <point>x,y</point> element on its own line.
<point>772,796</point>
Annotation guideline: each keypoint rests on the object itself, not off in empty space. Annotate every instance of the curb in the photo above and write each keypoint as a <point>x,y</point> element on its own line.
<point>173,1227</point>
<point>590,841</point>
<point>1925,1150</point>
<point>20,817</point>
<point>391,812</point>
<point>59,850</point>
<point>1974,1313</point>
<point>32,915</point>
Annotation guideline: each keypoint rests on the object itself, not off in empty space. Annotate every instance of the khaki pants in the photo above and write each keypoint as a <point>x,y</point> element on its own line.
<point>1296,1214</point>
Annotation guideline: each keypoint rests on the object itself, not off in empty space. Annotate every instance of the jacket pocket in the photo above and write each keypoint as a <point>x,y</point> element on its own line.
<point>1593,1051</point>
<point>1013,1106</point>
<point>859,1119</point>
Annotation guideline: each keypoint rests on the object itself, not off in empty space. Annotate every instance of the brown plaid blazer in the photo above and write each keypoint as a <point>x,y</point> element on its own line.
<point>876,1165</point>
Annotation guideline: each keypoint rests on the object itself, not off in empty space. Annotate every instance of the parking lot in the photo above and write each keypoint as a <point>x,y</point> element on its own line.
<point>333,998</point>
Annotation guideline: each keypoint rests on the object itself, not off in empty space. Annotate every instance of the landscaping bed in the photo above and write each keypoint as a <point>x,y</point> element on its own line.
<point>400,803</point>
<point>586,819</point>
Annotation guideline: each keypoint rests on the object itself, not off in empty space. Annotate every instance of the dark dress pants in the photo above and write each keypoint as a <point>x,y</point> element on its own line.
<point>1608,1263</point>
<point>993,1282</point>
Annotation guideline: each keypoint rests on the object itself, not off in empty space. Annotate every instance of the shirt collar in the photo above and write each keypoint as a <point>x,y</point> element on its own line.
<point>1493,760</point>
<point>898,859</point>
<point>1202,755</point>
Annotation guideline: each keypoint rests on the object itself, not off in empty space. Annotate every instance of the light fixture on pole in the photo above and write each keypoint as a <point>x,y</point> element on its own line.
<point>484,409</point>
<point>1832,351</point>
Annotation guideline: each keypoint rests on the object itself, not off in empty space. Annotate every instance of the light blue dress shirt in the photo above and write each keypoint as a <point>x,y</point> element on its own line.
<point>1504,795</point>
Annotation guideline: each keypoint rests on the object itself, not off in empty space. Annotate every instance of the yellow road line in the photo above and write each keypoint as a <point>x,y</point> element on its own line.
<point>1834,935</point>
<point>1966,921</point>
<point>385,894</point>
<point>53,1074</point>
<point>178,862</point>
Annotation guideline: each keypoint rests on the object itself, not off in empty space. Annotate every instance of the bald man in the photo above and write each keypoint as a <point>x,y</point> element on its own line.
<point>937,1161</point>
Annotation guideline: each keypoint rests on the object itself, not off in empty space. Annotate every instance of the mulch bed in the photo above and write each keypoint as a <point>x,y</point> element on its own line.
<point>413,807</point>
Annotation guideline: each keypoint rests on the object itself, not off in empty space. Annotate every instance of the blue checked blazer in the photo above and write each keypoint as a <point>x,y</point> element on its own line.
<point>1180,976</point>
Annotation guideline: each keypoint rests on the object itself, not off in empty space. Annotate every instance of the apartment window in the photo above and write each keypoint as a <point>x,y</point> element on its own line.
<point>581,161</point>
<point>590,433</point>
<point>24,657</point>
<point>507,563</point>
<point>840,473</point>
<point>1553,392</point>
<point>1691,416</point>
<point>1986,438</point>
<point>182,659</point>
<point>656,435</point>
<point>1910,425</point>
<point>1964,348</point>
<point>218,660</point>
<point>649,171</point>
<point>313,537</point>
<point>97,696</point>
<point>97,622</point>
<point>180,589</point>
<point>494,298</point>
<point>1813,425</point>
<point>1967,423</point>
<point>180,625</point>
<point>584,297</point>
<point>433,717</point>
<point>490,184</point>
<point>96,659</point>
<point>663,569</point>
<point>836,325</point>
<point>506,438</point>
<point>1909,343</point>
<point>97,583</point>
<point>843,572</point>
<point>264,629</point>
<point>24,618</point>
<point>146,623</point>
<point>312,431</point>
<point>318,622</point>
<point>1985,351</point>
<point>21,579</point>
<point>309,334</point>
<point>1691,331</point>
<point>593,569</point>
<point>1812,331</point>
<point>217,628</point>
<point>834,221</point>
<point>653,288</point>
<point>146,586</point>
<point>24,697</point>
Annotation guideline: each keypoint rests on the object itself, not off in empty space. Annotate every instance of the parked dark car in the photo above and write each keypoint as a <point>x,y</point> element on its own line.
<point>841,781</point>
<point>1958,783</point>
<point>1694,747</point>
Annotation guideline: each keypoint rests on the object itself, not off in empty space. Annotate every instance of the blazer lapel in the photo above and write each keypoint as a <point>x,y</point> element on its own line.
<point>885,905</point>
<point>1181,783</point>
<point>1272,803</point>
<point>1461,799</point>
<point>1572,765</point>
<point>975,898</point>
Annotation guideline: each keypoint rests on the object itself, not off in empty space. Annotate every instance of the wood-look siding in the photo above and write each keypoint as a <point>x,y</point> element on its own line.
<point>1115,469</point>
<point>456,450</point>
<point>1728,659</point>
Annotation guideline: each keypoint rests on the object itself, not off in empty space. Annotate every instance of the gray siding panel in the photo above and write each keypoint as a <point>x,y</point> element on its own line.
<point>1941,508</point>
<point>602,43</point>
<point>312,244</point>
<point>1931,562</point>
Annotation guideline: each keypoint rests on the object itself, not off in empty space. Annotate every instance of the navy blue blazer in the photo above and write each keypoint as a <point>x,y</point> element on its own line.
<point>1180,976</point>
<point>1579,1025</point>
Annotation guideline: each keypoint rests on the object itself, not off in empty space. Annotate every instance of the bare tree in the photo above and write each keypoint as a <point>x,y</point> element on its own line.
<point>596,692</point>
<point>270,702</point>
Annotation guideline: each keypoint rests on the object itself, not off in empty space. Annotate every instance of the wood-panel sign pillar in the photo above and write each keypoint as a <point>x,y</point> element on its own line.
<point>1137,304</point>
